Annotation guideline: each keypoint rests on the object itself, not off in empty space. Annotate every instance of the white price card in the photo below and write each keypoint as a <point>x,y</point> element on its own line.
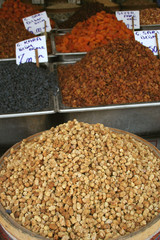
<point>126,17</point>
<point>148,39</point>
<point>36,23</point>
<point>25,50</point>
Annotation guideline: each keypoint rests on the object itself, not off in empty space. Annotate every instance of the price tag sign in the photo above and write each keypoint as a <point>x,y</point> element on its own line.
<point>126,17</point>
<point>25,50</point>
<point>36,23</point>
<point>148,39</point>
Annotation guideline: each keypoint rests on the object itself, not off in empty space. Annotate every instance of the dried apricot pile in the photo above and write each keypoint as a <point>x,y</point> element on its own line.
<point>96,31</point>
<point>16,10</point>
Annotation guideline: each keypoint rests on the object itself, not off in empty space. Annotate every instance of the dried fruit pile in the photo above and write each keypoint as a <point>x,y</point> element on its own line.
<point>12,33</point>
<point>81,181</point>
<point>12,27</point>
<point>138,3</point>
<point>15,10</point>
<point>96,31</point>
<point>150,16</point>
<point>123,71</point>
<point>25,88</point>
<point>87,10</point>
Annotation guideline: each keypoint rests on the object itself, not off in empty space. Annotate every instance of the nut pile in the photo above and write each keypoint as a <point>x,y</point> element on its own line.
<point>150,16</point>
<point>123,71</point>
<point>81,181</point>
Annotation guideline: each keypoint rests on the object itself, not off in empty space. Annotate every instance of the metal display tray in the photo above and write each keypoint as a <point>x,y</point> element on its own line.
<point>138,118</point>
<point>62,30</point>
<point>7,59</point>
<point>142,27</point>
<point>65,56</point>
<point>14,129</point>
<point>48,110</point>
<point>25,114</point>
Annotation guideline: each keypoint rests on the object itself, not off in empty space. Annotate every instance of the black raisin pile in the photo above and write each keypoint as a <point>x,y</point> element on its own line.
<point>26,88</point>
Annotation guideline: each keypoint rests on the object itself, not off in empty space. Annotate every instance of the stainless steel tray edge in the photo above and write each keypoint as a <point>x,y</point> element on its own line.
<point>65,109</point>
<point>13,115</point>
<point>109,107</point>
<point>51,109</point>
<point>150,27</point>
<point>139,118</point>
<point>7,59</point>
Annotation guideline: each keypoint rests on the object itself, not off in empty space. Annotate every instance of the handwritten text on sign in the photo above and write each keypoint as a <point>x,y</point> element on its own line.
<point>126,17</point>
<point>25,50</point>
<point>148,39</point>
<point>36,23</point>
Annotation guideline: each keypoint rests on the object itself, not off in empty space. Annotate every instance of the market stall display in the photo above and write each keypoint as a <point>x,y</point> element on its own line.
<point>96,31</point>
<point>81,181</point>
<point>26,88</point>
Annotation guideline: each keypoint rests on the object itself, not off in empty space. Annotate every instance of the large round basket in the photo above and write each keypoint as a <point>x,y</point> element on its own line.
<point>18,232</point>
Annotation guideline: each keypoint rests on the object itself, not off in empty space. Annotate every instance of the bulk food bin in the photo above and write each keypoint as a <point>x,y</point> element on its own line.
<point>139,118</point>
<point>149,18</point>
<point>62,57</point>
<point>14,129</point>
<point>150,27</point>
<point>19,232</point>
<point>14,126</point>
